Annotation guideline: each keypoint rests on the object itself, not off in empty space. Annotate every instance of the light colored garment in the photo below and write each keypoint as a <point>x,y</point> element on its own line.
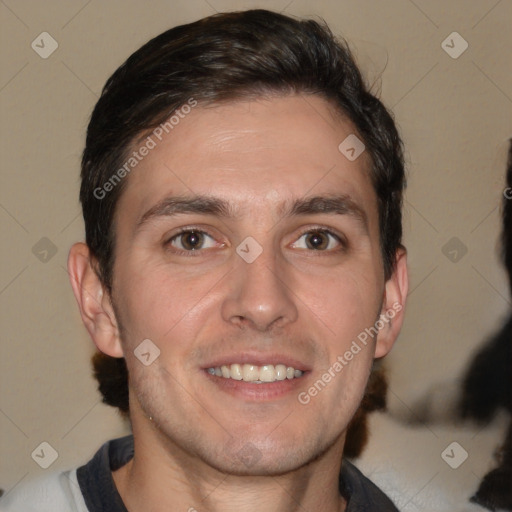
<point>57,492</point>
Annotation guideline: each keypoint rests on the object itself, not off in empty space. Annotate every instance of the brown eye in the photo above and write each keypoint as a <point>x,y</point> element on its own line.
<point>191,240</point>
<point>318,240</point>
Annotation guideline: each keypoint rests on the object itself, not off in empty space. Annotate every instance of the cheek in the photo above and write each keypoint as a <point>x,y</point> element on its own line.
<point>162,305</point>
<point>346,303</point>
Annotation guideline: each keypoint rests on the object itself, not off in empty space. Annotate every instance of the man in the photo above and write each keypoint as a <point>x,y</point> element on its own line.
<point>242,194</point>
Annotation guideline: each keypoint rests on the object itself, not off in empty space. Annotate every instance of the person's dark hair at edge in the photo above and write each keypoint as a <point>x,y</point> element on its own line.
<point>228,56</point>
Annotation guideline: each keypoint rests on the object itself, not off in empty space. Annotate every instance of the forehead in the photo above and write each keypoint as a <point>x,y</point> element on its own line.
<point>250,153</point>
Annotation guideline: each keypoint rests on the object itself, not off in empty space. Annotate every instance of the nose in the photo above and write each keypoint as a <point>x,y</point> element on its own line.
<point>260,294</point>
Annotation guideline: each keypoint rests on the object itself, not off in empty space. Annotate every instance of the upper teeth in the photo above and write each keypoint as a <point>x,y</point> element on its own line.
<point>253,373</point>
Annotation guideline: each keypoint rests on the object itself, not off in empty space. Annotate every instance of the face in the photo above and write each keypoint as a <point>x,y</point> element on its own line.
<point>245,237</point>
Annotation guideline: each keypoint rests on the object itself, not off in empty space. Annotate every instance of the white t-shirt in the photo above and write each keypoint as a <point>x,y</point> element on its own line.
<point>58,492</point>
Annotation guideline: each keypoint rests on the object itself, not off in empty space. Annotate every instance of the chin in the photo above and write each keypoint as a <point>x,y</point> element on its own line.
<point>261,456</point>
<point>250,461</point>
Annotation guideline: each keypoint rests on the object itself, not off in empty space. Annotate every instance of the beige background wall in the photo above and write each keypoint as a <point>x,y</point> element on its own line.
<point>455,116</point>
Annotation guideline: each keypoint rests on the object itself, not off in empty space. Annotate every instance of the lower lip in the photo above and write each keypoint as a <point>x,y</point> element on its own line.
<point>265,391</point>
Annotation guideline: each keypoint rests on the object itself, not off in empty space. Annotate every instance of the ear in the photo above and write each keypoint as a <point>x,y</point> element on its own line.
<point>393,305</point>
<point>93,301</point>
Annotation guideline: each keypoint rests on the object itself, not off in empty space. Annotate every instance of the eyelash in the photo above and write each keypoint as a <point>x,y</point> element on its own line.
<point>316,229</point>
<point>182,231</point>
<point>326,231</point>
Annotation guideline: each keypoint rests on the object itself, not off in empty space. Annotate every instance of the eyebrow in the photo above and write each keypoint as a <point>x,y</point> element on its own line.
<point>340,204</point>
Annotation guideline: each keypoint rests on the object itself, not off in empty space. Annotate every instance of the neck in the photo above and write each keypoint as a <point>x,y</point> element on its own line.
<point>162,477</point>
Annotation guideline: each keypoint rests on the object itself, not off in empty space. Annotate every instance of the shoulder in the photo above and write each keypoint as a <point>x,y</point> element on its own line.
<point>361,493</point>
<point>57,492</point>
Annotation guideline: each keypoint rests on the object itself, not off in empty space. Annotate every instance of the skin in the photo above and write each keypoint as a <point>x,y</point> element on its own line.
<point>294,299</point>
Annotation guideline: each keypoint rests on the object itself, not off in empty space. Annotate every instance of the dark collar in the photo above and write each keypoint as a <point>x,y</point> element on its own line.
<point>100,493</point>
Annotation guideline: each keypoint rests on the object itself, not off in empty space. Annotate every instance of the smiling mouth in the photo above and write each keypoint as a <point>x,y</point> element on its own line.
<point>256,374</point>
